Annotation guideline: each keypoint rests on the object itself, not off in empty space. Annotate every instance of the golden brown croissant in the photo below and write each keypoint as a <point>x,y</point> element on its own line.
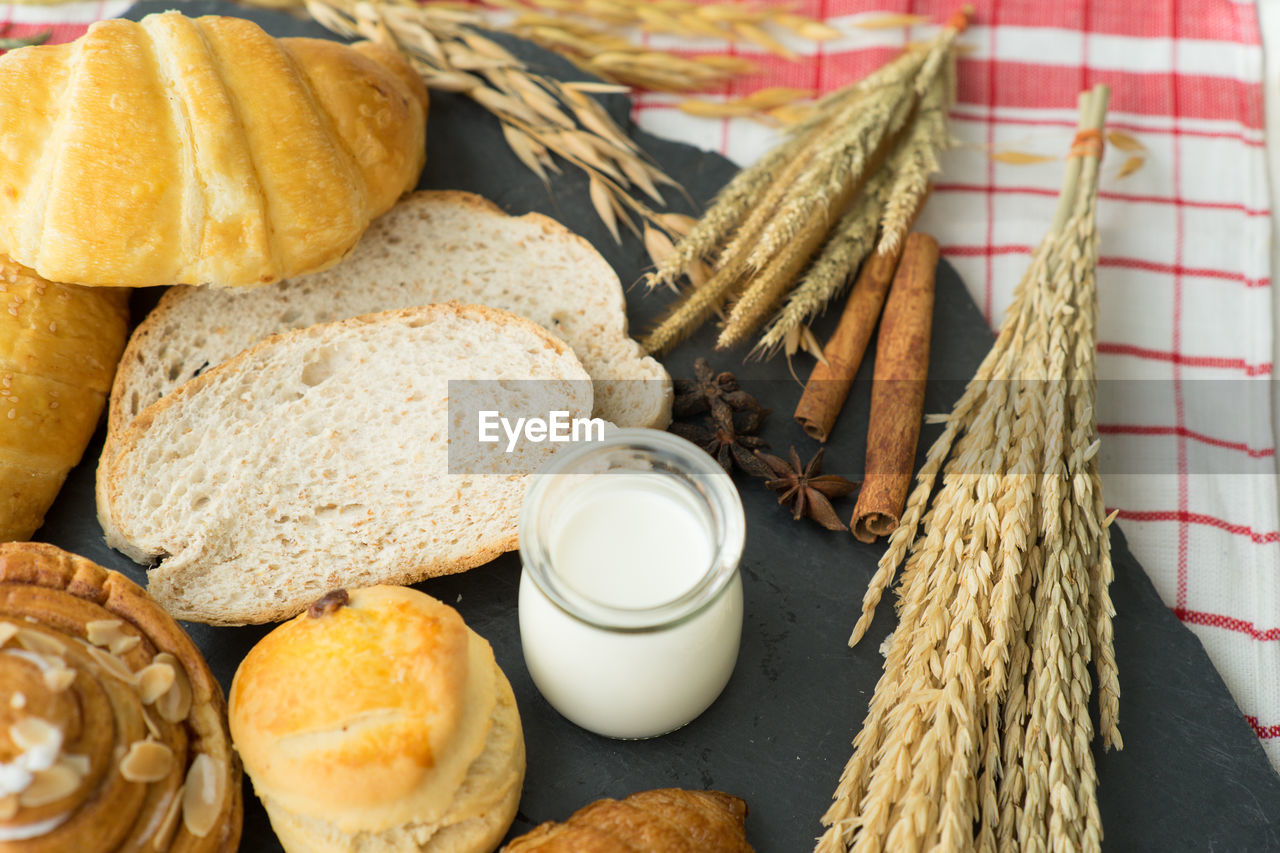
<point>113,732</point>
<point>193,151</point>
<point>59,344</point>
<point>666,820</point>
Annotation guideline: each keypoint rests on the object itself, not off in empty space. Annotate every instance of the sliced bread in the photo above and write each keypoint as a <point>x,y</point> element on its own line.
<point>431,247</point>
<point>320,458</point>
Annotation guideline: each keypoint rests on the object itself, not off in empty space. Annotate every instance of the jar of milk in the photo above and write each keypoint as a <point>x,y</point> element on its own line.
<point>630,599</point>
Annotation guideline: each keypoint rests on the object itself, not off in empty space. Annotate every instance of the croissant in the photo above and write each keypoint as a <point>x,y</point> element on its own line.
<point>666,820</point>
<point>193,151</point>
<point>113,732</point>
<point>59,344</point>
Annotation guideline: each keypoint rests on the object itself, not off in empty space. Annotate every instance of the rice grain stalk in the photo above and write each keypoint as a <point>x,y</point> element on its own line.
<point>961,653</point>
<point>1017,502</point>
<point>989,779</point>
<point>902,657</point>
<point>1088,485</point>
<point>917,658</point>
<point>1088,533</point>
<point>1045,791</point>
<point>1012,787</point>
<point>995,363</point>
<point>928,578</point>
<point>1055,766</point>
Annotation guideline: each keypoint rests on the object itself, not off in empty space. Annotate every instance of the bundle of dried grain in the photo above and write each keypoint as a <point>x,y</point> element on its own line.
<point>978,735</point>
<point>785,235</point>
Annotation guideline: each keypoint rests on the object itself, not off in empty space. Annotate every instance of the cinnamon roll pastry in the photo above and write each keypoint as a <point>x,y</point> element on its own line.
<point>113,731</point>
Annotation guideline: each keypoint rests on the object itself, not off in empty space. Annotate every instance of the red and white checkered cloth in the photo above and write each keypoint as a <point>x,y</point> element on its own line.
<point>1186,326</point>
<point>1185,278</point>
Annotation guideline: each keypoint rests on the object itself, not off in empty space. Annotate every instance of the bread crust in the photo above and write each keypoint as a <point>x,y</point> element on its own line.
<point>179,150</point>
<point>59,344</point>
<point>114,486</point>
<point>142,364</point>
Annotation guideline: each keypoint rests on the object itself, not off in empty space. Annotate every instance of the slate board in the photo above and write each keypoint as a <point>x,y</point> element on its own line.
<point>1192,775</point>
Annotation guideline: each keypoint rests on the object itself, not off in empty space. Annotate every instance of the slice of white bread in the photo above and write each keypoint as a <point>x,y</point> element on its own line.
<point>320,458</point>
<point>431,247</point>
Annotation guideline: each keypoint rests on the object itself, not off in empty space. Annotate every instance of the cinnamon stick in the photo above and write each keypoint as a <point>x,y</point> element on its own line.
<point>829,383</point>
<point>897,393</point>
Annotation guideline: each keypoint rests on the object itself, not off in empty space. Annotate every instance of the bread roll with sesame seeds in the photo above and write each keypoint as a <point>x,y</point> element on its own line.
<point>59,344</point>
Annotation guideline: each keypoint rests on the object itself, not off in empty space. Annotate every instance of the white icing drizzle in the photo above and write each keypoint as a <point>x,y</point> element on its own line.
<point>14,778</point>
<point>44,662</point>
<point>158,816</point>
<point>32,830</point>
<point>17,775</point>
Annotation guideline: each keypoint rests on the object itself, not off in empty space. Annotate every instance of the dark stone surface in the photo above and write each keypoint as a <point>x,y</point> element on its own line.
<point>1192,775</point>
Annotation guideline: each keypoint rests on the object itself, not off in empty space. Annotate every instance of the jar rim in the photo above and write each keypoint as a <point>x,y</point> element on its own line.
<point>710,483</point>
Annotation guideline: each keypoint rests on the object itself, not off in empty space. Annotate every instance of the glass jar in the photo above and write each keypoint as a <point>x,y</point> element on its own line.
<point>630,598</point>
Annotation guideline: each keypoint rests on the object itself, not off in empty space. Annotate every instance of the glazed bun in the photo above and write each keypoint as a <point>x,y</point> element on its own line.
<point>378,721</point>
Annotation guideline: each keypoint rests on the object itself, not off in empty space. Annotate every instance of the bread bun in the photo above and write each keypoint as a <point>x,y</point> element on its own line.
<point>378,721</point>
<point>180,150</point>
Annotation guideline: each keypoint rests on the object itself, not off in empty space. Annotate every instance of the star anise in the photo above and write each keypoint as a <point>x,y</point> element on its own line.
<point>806,491</point>
<point>718,437</point>
<point>717,393</point>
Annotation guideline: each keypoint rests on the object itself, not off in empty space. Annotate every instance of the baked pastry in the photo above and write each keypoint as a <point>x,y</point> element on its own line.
<point>666,820</point>
<point>59,344</point>
<point>334,456</point>
<point>378,721</point>
<point>200,151</point>
<point>112,730</point>
<point>433,246</point>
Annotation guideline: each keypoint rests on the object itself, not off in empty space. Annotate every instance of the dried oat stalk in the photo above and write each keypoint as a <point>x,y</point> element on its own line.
<point>540,115</point>
<point>978,736</point>
<point>785,237</point>
<point>613,57</point>
<point>760,24</point>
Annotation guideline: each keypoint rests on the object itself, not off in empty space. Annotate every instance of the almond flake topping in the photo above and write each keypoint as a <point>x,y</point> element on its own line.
<point>58,679</point>
<point>79,763</point>
<point>202,796</point>
<point>124,644</point>
<point>103,632</point>
<point>40,642</point>
<point>50,785</point>
<point>147,761</point>
<point>154,681</point>
<point>112,665</point>
<point>175,703</point>
<point>34,735</point>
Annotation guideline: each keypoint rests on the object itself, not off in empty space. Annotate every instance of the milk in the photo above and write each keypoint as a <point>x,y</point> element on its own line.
<point>623,545</point>
<point>630,540</point>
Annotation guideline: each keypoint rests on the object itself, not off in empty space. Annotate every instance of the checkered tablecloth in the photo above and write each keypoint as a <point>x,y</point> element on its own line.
<point>1187,321</point>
